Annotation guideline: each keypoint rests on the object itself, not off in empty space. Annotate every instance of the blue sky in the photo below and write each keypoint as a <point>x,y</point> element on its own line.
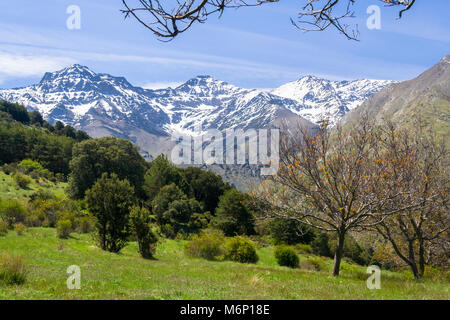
<point>250,47</point>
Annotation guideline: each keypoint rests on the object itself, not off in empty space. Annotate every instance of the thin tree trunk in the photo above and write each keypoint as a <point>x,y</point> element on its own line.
<point>412,260</point>
<point>338,254</point>
<point>421,258</point>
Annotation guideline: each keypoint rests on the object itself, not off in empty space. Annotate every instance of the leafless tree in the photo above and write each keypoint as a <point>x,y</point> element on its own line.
<point>417,165</point>
<point>330,182</point>
<point>168,18</point>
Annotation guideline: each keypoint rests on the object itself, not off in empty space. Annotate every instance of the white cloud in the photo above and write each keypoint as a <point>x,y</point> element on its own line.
<point>16,65</point>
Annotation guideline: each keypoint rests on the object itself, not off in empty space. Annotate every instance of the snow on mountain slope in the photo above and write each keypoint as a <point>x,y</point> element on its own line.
<point>102,104</point>
<point>105,105</point>
<point>322,99</point>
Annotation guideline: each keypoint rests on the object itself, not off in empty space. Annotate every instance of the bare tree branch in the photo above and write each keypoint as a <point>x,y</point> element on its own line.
<point>174,17</point>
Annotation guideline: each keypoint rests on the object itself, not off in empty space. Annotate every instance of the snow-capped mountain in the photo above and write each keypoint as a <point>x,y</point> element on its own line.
<point>323,99</point>
<point>103,105</point>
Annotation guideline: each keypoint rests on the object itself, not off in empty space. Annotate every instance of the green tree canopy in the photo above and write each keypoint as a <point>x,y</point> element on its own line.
<point>233,216</point>
<point>164,198</point>
<point>92,158</point>
<point>163,173</point>
<point>206,186</point>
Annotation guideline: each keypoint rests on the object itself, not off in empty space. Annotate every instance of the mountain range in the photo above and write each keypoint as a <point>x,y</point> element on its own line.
<point>104,105</point>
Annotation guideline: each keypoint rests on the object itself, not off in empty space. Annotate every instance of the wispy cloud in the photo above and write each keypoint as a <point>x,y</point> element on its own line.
<point>16,65</point>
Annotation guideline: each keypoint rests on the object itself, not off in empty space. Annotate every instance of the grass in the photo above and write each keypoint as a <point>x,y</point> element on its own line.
<point>10,191</point>
<point>172,275</point>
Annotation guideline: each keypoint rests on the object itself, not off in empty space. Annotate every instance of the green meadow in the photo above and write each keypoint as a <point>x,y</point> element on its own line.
<point>172,275</point>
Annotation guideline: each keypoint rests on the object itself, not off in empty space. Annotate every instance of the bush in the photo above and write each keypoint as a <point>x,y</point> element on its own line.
<point>20,228</point>
<point>240,249</point>
<point>208,245</point>
<point>320,245</point>
<point>21,180</point>
<point>291,232</point>
<point>63,228</point>
<point>286,256</point>
<point>41,194</point>
<point>3,228</point>
<point>140,224</point>
<point>46,213</point>
<point>303,248</point>
<point>8,169</point>
<point>34,168</point>
<point>86,224</point>
<point>12,270</point>
<point>13,212</point>
<point>314,263</point>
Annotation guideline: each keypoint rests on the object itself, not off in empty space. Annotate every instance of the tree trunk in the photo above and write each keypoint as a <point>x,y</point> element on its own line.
<point>421,257</point>
<point>338,254</point>
<point>412,260</point>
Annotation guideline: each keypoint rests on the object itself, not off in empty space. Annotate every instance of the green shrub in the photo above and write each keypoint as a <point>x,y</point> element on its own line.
<point>314,263</point>
<point>20,228</point>
<point>303,248</point>
<point>140,220</point>
<point>8,169</point>
<point>21,180</point>
<point>240,249</point>
<point>286,256</point>
<point>291,232</point>
<point>42,194</point>
<point>208,245</point>
<point>63,228</point>
<point>12,270</point>
<point>436,273</point>
<point>46,212</point>
<point>86,224</point>
<point>34,168</point>
<point>320,245</point>
<point>13,212</point>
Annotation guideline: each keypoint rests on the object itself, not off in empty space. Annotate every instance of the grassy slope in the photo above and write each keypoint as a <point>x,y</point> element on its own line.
<point>9,190</point>
<point>174,276</point>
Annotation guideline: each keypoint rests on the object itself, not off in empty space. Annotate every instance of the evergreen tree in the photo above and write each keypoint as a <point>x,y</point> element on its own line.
<point>233,217</point>
<point>163,173</point>
<point>109,200</point>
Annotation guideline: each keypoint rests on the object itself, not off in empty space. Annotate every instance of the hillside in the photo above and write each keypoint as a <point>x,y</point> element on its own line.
<point>426,97</point>
<point>9,190</point>
<point>174,276</point>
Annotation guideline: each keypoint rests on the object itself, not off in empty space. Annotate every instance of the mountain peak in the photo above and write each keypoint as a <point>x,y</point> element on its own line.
<point>73,71</point>
<point>205,85</point>
<point>309,77</point>
<point>446,59</point>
